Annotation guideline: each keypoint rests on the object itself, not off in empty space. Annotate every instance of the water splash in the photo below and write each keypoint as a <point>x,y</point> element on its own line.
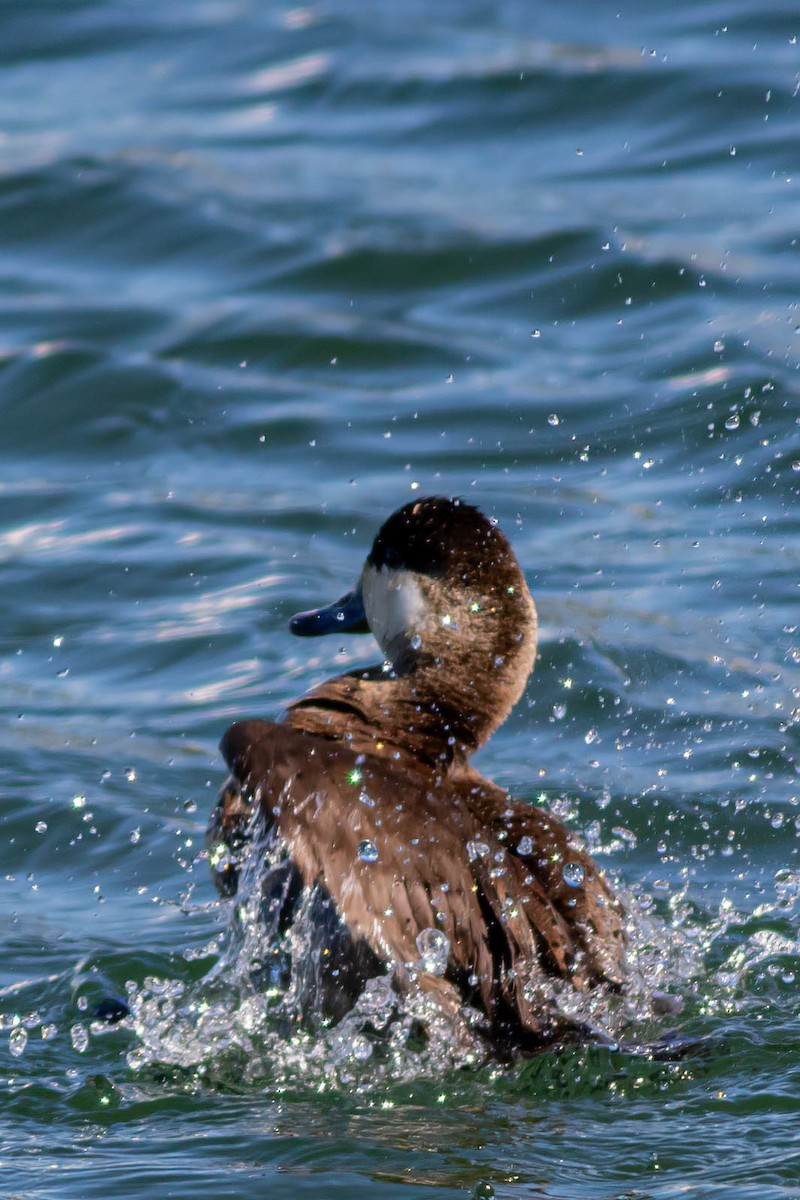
<point>255,1018</point>
<point>246,1023</point>
<point>250,1021</point>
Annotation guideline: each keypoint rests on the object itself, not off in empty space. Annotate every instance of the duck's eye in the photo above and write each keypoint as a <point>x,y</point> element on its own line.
<point>392,558</point>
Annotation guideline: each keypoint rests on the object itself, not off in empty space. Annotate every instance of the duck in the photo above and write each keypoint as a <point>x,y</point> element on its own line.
<point>410,863</point>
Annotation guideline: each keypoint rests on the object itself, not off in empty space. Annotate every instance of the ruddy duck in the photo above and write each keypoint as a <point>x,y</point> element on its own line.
<point>412,863</point>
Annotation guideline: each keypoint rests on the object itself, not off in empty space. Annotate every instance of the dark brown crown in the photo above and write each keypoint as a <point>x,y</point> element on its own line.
<point>439,537</point>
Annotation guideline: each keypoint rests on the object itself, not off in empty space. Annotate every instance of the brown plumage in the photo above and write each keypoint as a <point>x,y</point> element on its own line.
<point>378,758</point>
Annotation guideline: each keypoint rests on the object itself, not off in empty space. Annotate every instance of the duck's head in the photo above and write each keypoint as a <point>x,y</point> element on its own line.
<point>446,600</point>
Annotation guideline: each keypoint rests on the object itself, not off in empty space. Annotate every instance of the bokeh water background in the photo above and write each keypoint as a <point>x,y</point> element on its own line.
<point>266,273</point>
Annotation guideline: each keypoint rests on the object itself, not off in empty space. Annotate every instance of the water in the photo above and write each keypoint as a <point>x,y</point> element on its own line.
<point>268,272</point>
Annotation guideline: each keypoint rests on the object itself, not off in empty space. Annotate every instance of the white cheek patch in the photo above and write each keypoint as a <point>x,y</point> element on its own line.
<point>396,609</point>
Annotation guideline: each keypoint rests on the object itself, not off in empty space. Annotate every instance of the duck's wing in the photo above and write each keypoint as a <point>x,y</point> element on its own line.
<point>560,876</point>
<point>391,857</point>
<point>405,862</point>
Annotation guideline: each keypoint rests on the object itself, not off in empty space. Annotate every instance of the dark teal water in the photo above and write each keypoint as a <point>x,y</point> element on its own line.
<point>265,273</point>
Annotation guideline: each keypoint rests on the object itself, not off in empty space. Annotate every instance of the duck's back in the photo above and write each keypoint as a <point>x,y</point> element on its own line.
<point>406,854</point>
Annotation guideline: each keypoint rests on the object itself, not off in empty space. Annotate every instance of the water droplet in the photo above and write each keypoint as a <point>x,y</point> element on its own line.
<point>79,1036</point>
<point>733,421</point>
<point>434,951</point>
<point>49,1031</point>
<point>476,849</point>
<point>130,774</point>
<point>591,736</point>
<point>79,802</point>
<point>360,1047</point>
<point>367,851</point>
<point>41,826</point>
<point>136,835</point>
<point>219,857</point>
<point>17,1041</point>
<point>554,419</point>
<point>416,642</point>
<point>573,874</point>
<point>190,806</point>
<point>719,346</point>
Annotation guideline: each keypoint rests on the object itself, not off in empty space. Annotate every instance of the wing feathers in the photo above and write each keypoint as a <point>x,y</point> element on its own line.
<point>452,855</point>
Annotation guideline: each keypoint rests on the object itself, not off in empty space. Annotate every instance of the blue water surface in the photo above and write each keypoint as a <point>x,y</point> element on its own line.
<point>267,272</point>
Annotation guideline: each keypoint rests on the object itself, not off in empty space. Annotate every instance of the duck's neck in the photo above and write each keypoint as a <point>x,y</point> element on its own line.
<point>368,710</point>
<point>437,711</point>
